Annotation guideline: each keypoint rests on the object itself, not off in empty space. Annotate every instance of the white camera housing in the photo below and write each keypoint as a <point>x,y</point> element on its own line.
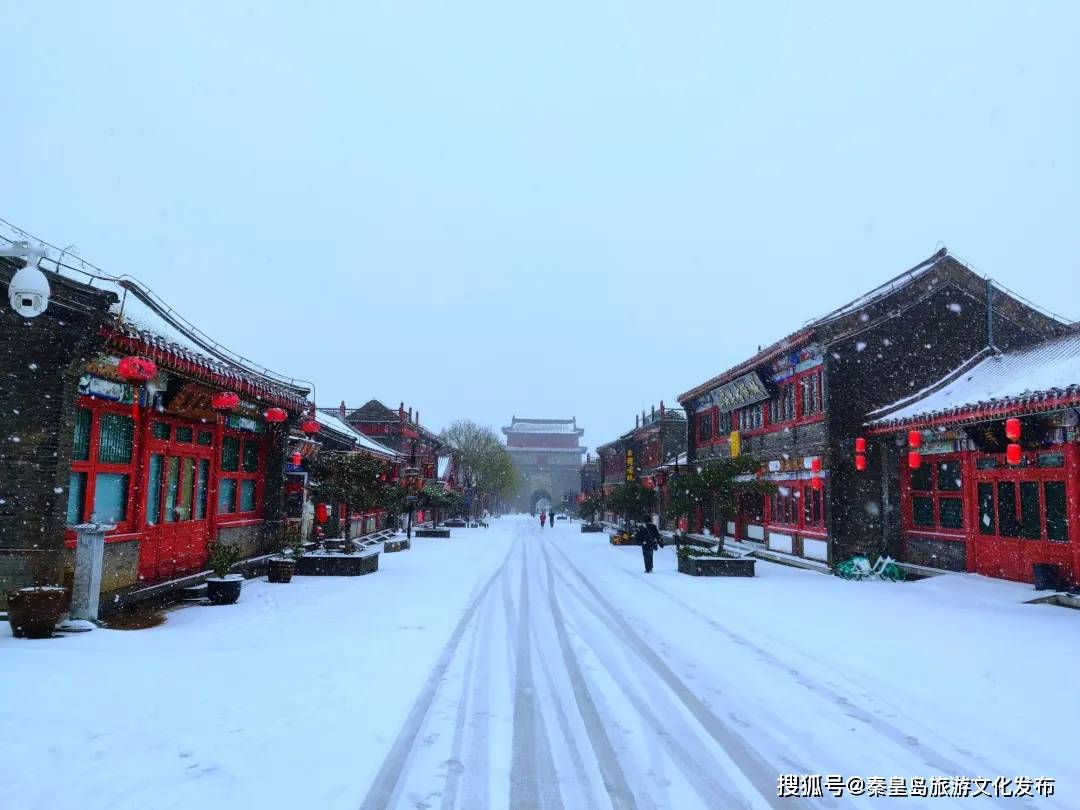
<point>28,291</point>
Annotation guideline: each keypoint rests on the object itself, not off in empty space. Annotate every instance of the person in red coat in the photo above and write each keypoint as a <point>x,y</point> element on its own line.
<point>543,518</point>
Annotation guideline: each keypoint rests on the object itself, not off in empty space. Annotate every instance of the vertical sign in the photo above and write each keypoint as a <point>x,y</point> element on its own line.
<point>629,465</point>
<point>735,444</point>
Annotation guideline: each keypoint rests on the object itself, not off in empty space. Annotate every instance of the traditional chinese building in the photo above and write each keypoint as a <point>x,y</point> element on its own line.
<point>119,411</point>
<point>799,404</point>
<point>967,495</point>
<point>547,454</point>
<point>402,432</point>
<point>645,453</point>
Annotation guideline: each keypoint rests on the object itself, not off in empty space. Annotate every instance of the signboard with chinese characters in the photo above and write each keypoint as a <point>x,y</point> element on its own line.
<point>100,388</point>
<point>238,422</point>
<point>629,465</point>
<point>735,444</point>
<point>744,390</point>
<point>795,362</point>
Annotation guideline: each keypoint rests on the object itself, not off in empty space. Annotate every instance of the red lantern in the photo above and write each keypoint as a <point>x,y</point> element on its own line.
<point>815,465</point>
<point>815,482</point>
<point>321,513</point>
<point>296,458</point>
<point>1012,429</point>
<point>860,462</point>
<point>310,427</point>
<point>137,369</point>
<point>860,445</point>
<point>1013,454</point>
<point>224,401</point>
<point>914,439</point>
<point>275,415</point>
<point>914,459</point>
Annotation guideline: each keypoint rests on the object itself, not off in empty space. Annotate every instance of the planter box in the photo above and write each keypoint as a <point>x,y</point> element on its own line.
<point>337,565</point>
<point>431,532</point>
<point>591,527</point>
<point>398,544</point>
<point>717,566</point>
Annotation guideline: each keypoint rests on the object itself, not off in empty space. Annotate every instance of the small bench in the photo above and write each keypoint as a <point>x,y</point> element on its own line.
<point>432,532</point>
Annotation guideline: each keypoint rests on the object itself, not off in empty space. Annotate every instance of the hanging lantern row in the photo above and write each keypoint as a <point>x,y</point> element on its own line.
<point>137,369</point>
<point>914,457</point>
<point>860,449</point>
<point>1013,452</point>
<point>275,415</point>
<point>224,401</point>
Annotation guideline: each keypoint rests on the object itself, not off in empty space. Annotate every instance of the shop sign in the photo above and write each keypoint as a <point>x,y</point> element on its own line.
<point>744,390</point>
<point>100,388</point>
<point>735,444</point>
<point>629,465</point>
<point>796,362</point>
<point>238,422</point>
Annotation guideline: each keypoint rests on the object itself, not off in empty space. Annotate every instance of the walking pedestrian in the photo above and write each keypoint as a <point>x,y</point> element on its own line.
<point>551,518</point>
<point>543,518</point>
<point>649,536</point>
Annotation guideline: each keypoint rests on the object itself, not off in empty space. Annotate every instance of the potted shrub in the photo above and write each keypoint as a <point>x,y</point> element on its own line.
<point>33,612</point>
<point>280,567</point>
<point>223,588</point>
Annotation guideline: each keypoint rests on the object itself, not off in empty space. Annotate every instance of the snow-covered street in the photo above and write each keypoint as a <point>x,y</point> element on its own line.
<point>514,667</point>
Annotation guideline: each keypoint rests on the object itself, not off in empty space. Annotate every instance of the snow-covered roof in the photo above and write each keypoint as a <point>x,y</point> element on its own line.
<point>363,442</point>
<point>1046,370</point>
<point>888,288</point>
<point>542,426</point>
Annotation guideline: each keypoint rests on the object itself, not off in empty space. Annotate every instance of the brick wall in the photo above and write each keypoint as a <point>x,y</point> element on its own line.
<point>40,362</point>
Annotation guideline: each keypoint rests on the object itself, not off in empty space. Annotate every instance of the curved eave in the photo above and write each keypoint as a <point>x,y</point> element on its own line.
<point>982,411</point>
<point>191,366</point>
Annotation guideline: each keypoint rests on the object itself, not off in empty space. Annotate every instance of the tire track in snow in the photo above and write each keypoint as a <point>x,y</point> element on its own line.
<point>533,781</point>
<point>757,770</point>
<point>907,742</point>
<point>387,783</point>
<point>615,782</point>
<point>697,767</point>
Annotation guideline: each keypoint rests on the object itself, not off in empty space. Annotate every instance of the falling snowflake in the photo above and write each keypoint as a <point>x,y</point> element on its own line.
<point>863,317</point>
<point>58,490</point>
<point>33,366</point>
<point>887,342</point>
<point>872,508</point>
<point>954,307</point>
<point>860,345</point>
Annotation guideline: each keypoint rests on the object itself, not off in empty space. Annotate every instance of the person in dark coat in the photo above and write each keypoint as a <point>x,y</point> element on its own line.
<point>649,536</point>
<point>551,519</point>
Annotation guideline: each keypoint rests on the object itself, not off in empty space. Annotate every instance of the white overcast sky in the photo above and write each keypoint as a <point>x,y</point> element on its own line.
<point>544,209</point>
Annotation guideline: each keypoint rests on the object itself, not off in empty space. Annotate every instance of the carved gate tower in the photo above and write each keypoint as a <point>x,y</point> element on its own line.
<point>547,453</point>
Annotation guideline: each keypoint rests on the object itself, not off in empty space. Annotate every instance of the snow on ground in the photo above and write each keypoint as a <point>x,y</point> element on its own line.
<point>514,667</point>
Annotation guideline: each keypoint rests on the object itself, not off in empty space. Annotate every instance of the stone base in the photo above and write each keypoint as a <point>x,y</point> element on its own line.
<point>431,532</point>
<point>717,566</point>
<point>344,565</point>
<point>591,527</point>
<point>401,544</point>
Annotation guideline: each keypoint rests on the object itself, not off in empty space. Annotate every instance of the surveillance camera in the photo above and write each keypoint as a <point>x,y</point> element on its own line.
<point>28,291</point>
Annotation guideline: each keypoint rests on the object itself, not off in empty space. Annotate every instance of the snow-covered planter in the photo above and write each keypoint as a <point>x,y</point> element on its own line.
<point>280,569</point>
<point>396,544</point>
<point>224,590</point>
<point>699,563</point>
<point>591,527</point>
<point>34,612</point>
<point>432,532</point>
<point>333,564</point>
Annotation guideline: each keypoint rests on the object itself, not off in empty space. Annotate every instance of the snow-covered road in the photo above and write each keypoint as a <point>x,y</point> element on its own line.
<point>528,668</point>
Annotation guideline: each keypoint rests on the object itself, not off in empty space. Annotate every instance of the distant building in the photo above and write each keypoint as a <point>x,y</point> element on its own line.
<point>547,454</point>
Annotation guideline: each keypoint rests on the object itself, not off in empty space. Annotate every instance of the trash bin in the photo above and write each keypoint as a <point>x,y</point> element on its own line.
<point>1046,576</point>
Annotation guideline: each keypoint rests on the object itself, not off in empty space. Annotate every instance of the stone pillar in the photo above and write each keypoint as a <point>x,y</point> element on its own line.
<point>89,562</point>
